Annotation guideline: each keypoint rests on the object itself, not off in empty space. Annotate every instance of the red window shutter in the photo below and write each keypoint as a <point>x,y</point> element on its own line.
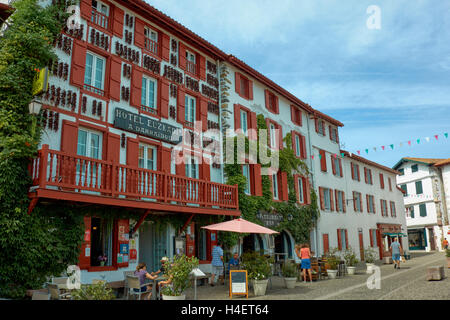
<point>303,147</point>
<point>354,201</point>
<point>337,135</point>
<point>326,244</point>
<point>123,229</point>
<point>340,168</point>
<point>253,135</point>
<point>293,119</point>
<point>365,175</point>
<point>202,67</point>
<point>78,63</point>
<point>382,209</point>
<point>322,200</point>
<point>374,206</point>
<point>371,237</point>
<point>307,190</point>
<point>329,130</point>
<point>164,97</point>
<point>336,198</point>
<point>284,187</point>
<point>353,172</point>
<point>181,106</point>
<point>381,181</point>
<point>346,239</point>
<point>323,161</point>
<point>357,170</point>
<point>294,146</point>
<point>69,137</point>
<point>296,179</point>
<point>206,170</point>
<point>257,179</point>
<point>118,22</point>
<point>266,96</point>
<point>165,47</point>
<point>280,137</point>
<point>132,152</point>
<point>115,76</point>
<point>360,202</point>
<point>84,262</point>
<point>136,87</point>
<point>344,202</point>
<point>316,123</point>
<point>139,37</point>
<point>237,117</point>
<point>368,203</point>
<point>180,168</point>
<point>250,90</point>
<point>331,200</point>
<point>204,113</point>
<point>113,148</point>
<point>165,159</point>
<point>339,239</point>
<point>182,56</point>
<point>86,9</point>
<point>237,83</point>
<point>333,164</point>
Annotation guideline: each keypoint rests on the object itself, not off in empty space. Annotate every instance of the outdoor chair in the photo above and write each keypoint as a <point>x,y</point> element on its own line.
<point>126,289</point>
<point>39,295</point>
<point>56,294</point>
<point>133,283</point>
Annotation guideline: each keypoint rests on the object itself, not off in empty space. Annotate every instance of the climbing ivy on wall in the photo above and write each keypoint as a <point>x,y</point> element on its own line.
<point>298,220</point>
<point>33,247</point>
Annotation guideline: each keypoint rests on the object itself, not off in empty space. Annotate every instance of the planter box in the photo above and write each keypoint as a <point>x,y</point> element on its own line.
<point>259,287</point>
<point>369,267</point>
<point>387,260</point>
<point>290,282</point>
<point>351,270</point>
<point>332,273</point>
<point>435,273</point>
<point>182,297</point>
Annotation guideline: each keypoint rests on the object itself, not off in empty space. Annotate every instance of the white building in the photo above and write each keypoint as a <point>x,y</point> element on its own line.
<point>426,183</point>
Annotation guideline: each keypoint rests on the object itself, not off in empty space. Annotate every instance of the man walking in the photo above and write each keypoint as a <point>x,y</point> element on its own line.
<point>217,263</point>
<point>396,250</point>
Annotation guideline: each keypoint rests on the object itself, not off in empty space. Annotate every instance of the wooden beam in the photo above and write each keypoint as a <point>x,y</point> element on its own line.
<point>186,223</point>
<point>32,204</point>
<point>138,224</point>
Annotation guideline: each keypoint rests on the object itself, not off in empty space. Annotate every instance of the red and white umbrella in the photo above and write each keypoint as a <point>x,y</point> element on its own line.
<point>240,226</point>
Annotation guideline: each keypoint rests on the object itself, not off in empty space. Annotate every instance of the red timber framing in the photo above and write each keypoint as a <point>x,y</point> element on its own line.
<point>61,175</point>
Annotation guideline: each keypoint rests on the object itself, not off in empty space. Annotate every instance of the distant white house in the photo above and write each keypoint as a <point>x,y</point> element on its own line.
<point>426,183</point>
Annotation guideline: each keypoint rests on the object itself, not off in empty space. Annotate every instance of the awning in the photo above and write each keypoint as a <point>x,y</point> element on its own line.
<point>395,234</point>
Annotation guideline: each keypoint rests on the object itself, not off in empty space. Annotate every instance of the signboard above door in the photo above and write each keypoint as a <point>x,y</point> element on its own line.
<point>146,126</point>
<point>270,219</point>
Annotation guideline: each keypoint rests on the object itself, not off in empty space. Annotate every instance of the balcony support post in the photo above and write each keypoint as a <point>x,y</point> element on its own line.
<point>138,224</point>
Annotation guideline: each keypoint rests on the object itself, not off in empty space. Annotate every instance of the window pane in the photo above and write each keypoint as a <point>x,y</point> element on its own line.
<point>186,108</point>
<point>244,121</point>
<point>275,186</point>
<point>88,71</point>
<point>81,146</point>
<point>297,145</point>
<point>98,73</point>
<point>300,190</point>
<point>245,172</point>
<point>95,145</point>
<point>192,115</point>
<point>144,92</point>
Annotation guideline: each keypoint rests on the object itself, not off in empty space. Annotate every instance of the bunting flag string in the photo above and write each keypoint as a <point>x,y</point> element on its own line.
<point>403,143</point>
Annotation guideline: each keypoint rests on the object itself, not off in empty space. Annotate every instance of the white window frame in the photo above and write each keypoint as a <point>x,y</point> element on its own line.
<point>88,146</point>
<point>297,145</point>
<point>145,95</point>
<point>336,165</point>
<point>273,139</point>
<point>340,201</point>
<point>145,159</point>
<point>246,174</point>
<point>244,122</point>
<point>190,108</point>
<point>327,199</point>
<point>93,75</point>
<point>191,58</point>
<point>275,186</point>
<point>151,34</point>
<point>358,201</point>
<point>98,9</point>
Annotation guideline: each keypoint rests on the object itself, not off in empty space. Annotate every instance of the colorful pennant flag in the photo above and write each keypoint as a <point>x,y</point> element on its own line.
<point>392,146</point>
<point>446,134</point>
<point>382,147</point>
<point>427,138</point>
<point>367,151</point>
<point>409,142</point>
<point>436,136</point>
<point>359,153</point>
<point>418,141</point>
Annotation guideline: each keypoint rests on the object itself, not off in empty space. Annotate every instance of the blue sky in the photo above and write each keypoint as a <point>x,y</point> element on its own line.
<point>388,85</point>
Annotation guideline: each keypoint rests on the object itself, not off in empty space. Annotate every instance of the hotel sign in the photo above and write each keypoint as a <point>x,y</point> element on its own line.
<point>270,219</point>
<point>146,126</point>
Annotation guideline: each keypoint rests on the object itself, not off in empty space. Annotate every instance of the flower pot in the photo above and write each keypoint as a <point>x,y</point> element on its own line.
<point>182,297</point>
<point>102,263</point>
<point>351,270</point>
<point>332,273</point>
<point>290,282</point>
<point>259,287</point>
<point>369,267</point>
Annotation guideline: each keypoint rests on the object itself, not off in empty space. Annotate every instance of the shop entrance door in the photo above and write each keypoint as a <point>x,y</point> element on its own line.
<point>160,245</point>
<point>432,239</point>
<point>361,245</point>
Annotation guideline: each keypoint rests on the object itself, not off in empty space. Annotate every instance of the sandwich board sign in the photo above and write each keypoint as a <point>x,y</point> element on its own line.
<point>238,283</point>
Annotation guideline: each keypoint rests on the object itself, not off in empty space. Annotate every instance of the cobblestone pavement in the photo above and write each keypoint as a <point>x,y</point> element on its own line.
<point>408,283</point>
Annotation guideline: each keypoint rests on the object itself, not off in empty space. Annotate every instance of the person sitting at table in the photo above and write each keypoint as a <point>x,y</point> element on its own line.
<point>161,270</point>
<point>233,261</point>
<point>142,274</point>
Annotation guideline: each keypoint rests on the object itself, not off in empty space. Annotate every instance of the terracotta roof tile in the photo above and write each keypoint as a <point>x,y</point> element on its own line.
<point>368,162</point>
<point>424,160</point>
<point>442,162</point>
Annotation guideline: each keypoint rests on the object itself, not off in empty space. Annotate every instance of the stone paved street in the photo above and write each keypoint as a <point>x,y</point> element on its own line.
<point>408,283</point>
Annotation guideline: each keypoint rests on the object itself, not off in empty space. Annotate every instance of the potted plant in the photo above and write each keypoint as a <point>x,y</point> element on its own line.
<point>259,269</point>
<point>102,259</point>
<point>333,260</point>
<point>447,254</point>
<point>177,273</point>
<point>369,256</point>
<point>98,291</point>
<point>350,260</point>
<point>289,271</point>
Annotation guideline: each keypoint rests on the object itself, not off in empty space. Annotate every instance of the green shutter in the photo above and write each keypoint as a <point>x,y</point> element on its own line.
<point>419,189</point>
<point>404,188</point>
<point>423,210</point>
<point>412,211</point>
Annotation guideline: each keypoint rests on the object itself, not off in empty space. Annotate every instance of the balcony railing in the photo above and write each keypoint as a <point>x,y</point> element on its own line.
<point>56,170</point>
<point>191,67</point>
<point>151,46</point>
<point>99,19</point>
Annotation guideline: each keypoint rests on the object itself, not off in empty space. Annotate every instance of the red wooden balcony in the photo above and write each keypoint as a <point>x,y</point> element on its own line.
<point>99,19</point>
<point>57,175</point>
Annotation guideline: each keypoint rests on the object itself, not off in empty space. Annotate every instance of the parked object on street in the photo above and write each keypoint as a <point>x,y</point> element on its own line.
<point>178,273</point>
<point>435,273</point>
<point>259,269</point>
<point>350,260</point>
<point>369,255</point>
<point>333,261</point>
<point>289,271</point>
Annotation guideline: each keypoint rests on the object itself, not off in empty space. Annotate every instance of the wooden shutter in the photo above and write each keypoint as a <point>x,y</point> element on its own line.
<point>346,239</point>
<point>256,168</point>
<point>365,175</point>
<point>382,209</point>
<point>297,191</point>
<point>69,137</point>
<point>237,117</point>
<point>330,191</point>
<point>250,90</point>
<point>354,201</point>
<point>165,46</point>
<point>181,106</point>
<point>381,181</point>
<point>204,113</point>
<point>326,243</point>
<point>340,168</point>
<point>182,57</point>
<point>307,187</point>
<point>353,173</point>
<point>266,96</point>
<point>322,199</point>
<point>294,145</point>
<point>344,202</point>
<point>113,147</point>
<point>371,237</point>
<point>280,136</point>
<point>357,171</point>
<point>86,9</point>
<point>284,186</point>
<point>323,161</point>
<point>136,87</point>
<point>316,124</point>
<point>123,229</point>
<point>78,63</point>
<point>333,164</point>
<point>368,203</point>
<point>202,67</point>
<point>205,170</point>
<point>303,147</point>
<point>237,83</point>
<point>84,261</point>
<point>117,27</point>
<point>164,98</point>
<point>165,160</point>
<point>132,152</point>
<point>360,202</point>
<point>336,199</point>
<point>180,168</point>
<point>115,76</point>
<point>253,135</point>
<point>339,239</point>
<point>139,37</point>
<point>331,134</point>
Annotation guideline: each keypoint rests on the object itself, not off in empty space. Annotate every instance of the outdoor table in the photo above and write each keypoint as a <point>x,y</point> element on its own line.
<point>155,284</point>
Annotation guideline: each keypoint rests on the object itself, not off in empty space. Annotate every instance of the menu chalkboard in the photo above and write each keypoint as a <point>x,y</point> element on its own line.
<point>238,283</point>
